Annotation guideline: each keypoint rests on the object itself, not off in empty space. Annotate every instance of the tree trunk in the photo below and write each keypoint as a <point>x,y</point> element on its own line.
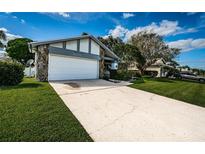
<point>141,71</point>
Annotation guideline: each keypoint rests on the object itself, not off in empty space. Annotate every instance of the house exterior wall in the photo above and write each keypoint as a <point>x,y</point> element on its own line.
<point>157,69</point>
<point>84,45</point>
<point>101,64</point>
<point>58,45</point>
<point>151,68</point>
<point>71,45</point>
<point>30,71</point>
<point>95,48</point>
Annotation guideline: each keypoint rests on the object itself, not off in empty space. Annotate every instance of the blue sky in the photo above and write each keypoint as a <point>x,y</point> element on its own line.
<point>182,30</point>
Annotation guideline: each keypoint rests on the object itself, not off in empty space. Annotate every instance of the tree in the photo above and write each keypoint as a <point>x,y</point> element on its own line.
<point>115,44</point>
<point>127,53</point>
<point>121,49</point>
<point>136,57</point>
<point>84,33</point>
<point>2,37</point>
<point>152,47</point>
<point>18,49</point>
<point>186,67</point>
<point>172,63</point>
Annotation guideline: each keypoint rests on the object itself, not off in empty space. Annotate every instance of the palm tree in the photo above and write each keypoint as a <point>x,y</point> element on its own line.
<point>2,37</point>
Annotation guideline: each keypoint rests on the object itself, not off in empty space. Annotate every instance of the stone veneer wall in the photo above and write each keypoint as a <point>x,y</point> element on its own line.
<point>42,63</point>
<point>101,63</point>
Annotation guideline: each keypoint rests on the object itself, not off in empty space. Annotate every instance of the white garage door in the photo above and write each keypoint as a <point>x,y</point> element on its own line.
<point>71,68</point>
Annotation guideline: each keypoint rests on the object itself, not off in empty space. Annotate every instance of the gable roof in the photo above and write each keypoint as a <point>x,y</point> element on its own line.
<point>108,51</point>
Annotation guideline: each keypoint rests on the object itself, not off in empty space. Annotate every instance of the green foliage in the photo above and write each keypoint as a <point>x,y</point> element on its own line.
<point>186,67</point>
<point>11,73</point>
<point>115,44</point>
<point>84,33</point>
<point>186,91</point>
<point>127,53</point>
<point>32,111</point>
<point>138,81</point>
<point>143,50</point>
<point>150,74</point>
<point>173,63</point>
<point>2,37</point>
<point>199,72</point>
<point>170,71</point>
<point>18,49</point>
<point>125,75</point>
<point>1,45</point>
<point>136,57</point>
<point>152,47</point>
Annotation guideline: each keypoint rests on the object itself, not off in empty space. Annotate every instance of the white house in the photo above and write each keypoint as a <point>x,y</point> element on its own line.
<point>157,67</point>
<point>83,57</point>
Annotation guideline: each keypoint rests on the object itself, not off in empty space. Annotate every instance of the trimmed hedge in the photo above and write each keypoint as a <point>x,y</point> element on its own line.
<point>125,75</point>
<point>11,73</point>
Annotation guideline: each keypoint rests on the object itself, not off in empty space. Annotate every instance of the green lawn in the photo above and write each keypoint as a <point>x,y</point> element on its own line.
<point>32,111</point>
<point>189,92</point>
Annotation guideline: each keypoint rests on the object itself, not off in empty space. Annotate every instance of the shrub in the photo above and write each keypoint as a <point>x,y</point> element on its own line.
<point>11,73</point>
<point>125,75</point>
<point>171,71</point>
<point>151,73</point>
<point>138,81</point>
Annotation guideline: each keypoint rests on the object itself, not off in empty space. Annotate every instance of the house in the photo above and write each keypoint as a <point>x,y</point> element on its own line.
<point>83,57</point>
<point>184,69</point>
<point>157,67</point>
<point>4,56</point>
<point>29,71</point>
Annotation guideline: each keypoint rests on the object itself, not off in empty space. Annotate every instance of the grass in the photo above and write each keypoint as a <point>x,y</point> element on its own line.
<point>190,92</point>
<point>32,111</point>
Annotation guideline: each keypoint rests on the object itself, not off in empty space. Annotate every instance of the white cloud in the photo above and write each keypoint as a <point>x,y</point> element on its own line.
<point>199,43</point>
<point>119,31</point>
<point>188,44</point>
<point>127,15</point>
<point>23,21</point>
<point>4,29</point>
<point>62,14</point>
<point>12,36</point>
<point>164,28</point>
<point>9,35</point>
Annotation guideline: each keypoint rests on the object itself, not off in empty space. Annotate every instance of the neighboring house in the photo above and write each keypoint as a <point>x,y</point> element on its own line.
<point>4,56</point>
<point>156,67</point>
<point>29,71</point>
<point>184,69</point>
<point>83,57</point>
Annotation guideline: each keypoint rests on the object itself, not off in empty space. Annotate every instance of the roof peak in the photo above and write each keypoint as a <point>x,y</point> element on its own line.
<point>34,44</point>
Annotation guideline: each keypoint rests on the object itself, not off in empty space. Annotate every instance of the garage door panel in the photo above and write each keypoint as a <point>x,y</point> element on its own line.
<point>71,68</point>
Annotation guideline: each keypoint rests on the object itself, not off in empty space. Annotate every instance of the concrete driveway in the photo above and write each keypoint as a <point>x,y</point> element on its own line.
<point>114,112</point>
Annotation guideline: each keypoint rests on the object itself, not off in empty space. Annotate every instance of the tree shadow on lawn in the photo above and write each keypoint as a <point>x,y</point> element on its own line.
<point>22,86</point>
